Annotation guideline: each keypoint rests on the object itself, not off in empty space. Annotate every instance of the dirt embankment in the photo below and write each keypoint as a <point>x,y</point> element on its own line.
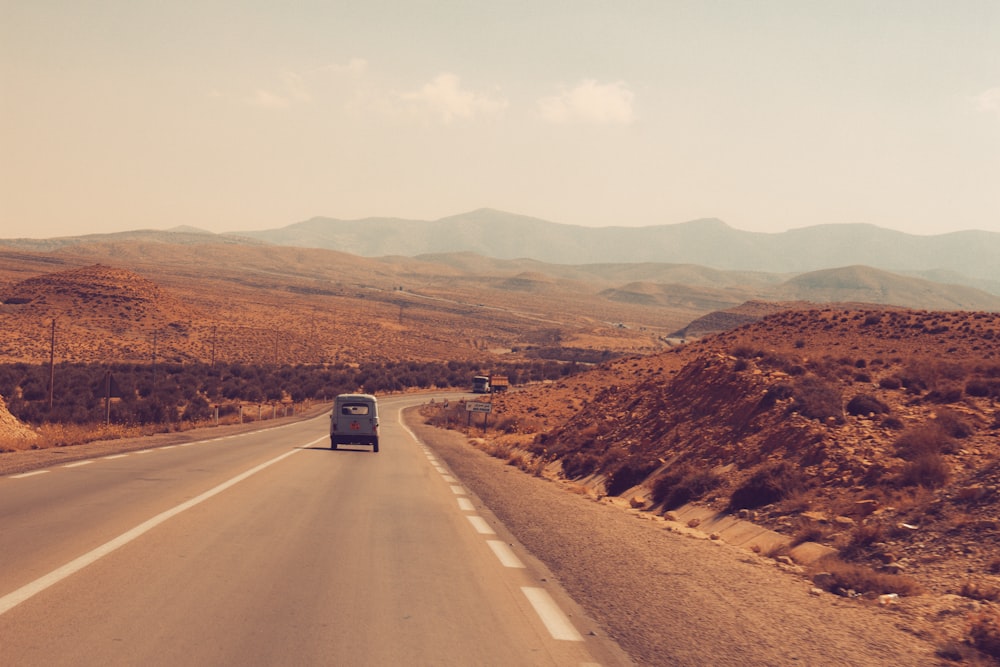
<point>668,599</point>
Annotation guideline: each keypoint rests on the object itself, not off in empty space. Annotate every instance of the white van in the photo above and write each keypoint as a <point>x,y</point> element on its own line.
<point>354,421</point>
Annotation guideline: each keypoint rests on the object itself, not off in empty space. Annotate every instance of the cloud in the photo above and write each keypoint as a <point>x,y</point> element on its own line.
<point>445,99</point>
<point>989,101</point>
<point>590,102</point>
<point>292,91</point>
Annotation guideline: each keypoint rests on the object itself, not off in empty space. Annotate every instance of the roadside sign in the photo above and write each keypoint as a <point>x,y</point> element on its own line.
<point>473,406</point>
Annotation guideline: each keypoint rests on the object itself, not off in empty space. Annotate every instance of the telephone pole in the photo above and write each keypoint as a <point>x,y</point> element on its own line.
<point>52,364</point>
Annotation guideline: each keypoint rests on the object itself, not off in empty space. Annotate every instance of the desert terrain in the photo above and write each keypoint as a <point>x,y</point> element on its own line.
<point>864,430</point>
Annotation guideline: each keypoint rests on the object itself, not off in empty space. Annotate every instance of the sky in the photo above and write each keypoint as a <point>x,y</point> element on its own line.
<point>241,115</point>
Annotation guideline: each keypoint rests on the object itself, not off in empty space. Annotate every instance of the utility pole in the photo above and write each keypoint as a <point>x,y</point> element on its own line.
<point>52,364</point>
<point>152,392</point>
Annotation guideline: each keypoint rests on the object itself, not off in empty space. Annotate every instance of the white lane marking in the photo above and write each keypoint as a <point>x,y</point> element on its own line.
<point>552,616</point>
<point>479,523</point>
<point>78,464</point>
<point>143,451</point>
<point>441,470</point>
<point>449,479</point>
<point>115,456</point>
<point>11,600</point>
<point>505,554</point>
<point>457,490</point>
<point>465,505</point>
<point>29,474</point>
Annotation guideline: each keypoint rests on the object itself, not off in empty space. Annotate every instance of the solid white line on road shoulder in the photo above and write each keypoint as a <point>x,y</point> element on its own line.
<point>479,523</point>
<point>505,554</point>
<point>11,600</point>
<point>29,474</point>
<point>552,616</point>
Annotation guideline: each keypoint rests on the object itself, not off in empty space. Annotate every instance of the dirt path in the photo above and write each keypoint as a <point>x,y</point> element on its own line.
<point>668,599</point>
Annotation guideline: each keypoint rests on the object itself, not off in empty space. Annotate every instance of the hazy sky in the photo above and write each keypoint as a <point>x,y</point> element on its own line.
<point>244,114</point>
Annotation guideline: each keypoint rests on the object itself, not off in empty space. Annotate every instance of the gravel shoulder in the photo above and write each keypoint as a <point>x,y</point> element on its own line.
<point>668,598</point>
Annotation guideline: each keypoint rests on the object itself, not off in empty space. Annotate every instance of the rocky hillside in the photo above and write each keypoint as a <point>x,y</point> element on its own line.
<point>871,432</point>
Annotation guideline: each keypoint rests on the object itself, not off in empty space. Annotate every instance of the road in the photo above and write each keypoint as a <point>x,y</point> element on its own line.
<point>268,548</point>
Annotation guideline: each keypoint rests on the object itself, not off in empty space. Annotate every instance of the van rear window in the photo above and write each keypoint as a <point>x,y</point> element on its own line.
<point>354,409</point>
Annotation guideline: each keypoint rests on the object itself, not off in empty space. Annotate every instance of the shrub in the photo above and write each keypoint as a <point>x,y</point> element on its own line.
<point>817,399</point>
<point>927,439</point>
<point>978,388</point>
<point>628,475</point>
<point>953,424</point>
<point>579,464</point>
<point>679,487</point>
<point>928,470</point>
<point>768,485</point>
<point>865,404</point>
<point>891,382</point>
<point>984,632</point>
<point>841,577</point>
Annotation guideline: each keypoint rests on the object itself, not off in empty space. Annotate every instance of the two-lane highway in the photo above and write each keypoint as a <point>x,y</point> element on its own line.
<point>269,548</point>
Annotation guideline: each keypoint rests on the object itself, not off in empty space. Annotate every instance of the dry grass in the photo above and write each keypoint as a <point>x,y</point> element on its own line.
<point>837,576</point>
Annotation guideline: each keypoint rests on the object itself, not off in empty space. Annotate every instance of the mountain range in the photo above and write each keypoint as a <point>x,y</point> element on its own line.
<point>966,258</point>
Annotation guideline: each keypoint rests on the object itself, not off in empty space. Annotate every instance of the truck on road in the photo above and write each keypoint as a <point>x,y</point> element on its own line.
<point>488,384</point>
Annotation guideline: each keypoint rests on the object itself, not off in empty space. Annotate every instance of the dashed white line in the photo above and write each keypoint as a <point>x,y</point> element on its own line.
<point>552,616</point>
<point>466,505</point>
<point>449,479</point>
<point>458,490</point>
<point>505,554</point>
<point>479,523</point>
<point>78,464</point>
<point>115,456</point>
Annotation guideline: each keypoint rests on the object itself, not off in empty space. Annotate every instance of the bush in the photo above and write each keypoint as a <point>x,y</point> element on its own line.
<point>927,439</point>
<point>984,633</point>
<point>817,399</point>
<point>952,424</point>
<point>628,475</point>
<point>866,404</point>
<point>768,485</point>
<point>891,382</point>
<point>578,464</point>
<point>841,577</point>
<point>928,470</point>
<point>681,486</point>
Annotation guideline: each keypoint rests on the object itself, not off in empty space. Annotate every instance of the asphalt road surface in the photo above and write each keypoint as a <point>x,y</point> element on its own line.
<point>268,548</point>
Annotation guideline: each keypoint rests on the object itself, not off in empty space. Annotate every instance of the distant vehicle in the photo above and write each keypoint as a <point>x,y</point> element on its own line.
<point>354,421</point>
<point>487,384</point>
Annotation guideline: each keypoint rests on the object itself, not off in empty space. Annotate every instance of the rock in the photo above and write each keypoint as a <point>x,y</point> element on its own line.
<point>824,580</point>
<point>866,507</point>
<point>694,523</point>
<point>785,560</point>
<point>844,521</point>
<point>637,502</point>
<point>715,536</point>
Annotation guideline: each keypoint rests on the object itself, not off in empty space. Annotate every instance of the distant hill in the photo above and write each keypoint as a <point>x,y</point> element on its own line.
<point>968,257</point>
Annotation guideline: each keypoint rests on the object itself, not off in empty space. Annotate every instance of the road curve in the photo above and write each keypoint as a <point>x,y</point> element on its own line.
<point>269,548</point>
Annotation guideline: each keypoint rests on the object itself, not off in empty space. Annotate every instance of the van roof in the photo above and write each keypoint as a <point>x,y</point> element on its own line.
<point>355,397</point>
